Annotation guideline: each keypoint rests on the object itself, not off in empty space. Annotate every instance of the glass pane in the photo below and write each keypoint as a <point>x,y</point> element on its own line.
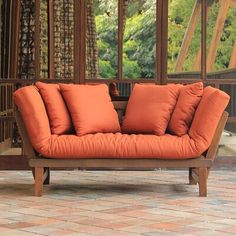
<point>221,61</point>
<point>221,36</point>
<point>184,39</point>
<point>102,38</point>
<point>139,39</point>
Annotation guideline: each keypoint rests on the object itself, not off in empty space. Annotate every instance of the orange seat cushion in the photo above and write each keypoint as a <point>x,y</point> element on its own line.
<point>149,108</point>
<point>189,98</point>
<point>207,116</point>
<point>109,145</point>
<point>91,108</point>
<point>58,114</point>
<point>34,115</point>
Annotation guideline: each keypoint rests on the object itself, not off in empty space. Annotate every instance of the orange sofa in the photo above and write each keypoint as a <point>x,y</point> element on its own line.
<point>195,150</point>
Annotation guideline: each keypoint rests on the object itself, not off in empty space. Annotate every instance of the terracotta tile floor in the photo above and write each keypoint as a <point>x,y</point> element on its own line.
<point>117,203</point>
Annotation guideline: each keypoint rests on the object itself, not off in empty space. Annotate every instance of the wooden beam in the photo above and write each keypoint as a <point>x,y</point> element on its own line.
<point>82,40</point>
<point>76,40</point>
<point>120,37</point>
<point>232,63</point>
<point>0,35</point>
<point>11,35</point>
<point>164,42</point>
<point>15,38</point>
<point>188,35</point>
<point>203,39</point>
<point>13,163</point>
<point>217,33</point>
<point>197,61</point>
<point>158,40</point>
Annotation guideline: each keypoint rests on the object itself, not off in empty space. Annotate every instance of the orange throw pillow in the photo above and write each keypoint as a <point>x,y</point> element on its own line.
<point>189,98</point>
<point>149,108</point>
<point>91,108</point>
<point>58,114</point>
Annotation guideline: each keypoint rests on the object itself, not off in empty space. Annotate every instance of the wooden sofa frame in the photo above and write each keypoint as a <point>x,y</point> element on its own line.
<point>199,168</point>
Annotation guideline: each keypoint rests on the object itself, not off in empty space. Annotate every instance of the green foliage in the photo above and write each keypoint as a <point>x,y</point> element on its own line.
<point>139,39</point>
<point>106,70</point>
<point>131,69</point>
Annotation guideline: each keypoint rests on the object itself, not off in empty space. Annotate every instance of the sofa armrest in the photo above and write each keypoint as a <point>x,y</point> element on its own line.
<point>209,119</point>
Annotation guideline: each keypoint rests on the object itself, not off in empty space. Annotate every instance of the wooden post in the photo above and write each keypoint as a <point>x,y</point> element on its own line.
<point>0,40</point>
<point>81,17</point>
<point>51,39</point>
<point>10,33</point>
<point>15,38</point>
<point>217,33</point>
<point>158,40</point>
<point>164,42</point>
<point>120,37</point>
<point>188,35</point>
<point>37,39</point>
<point>203,40</point>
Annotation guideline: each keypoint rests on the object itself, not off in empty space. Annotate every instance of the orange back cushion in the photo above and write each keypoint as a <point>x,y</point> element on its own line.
<point>34,115</point>
<point>58,114</point>
<point>189,98</point>
<point>149,108</point>
<point>207,116</point>
<point>91,108</point>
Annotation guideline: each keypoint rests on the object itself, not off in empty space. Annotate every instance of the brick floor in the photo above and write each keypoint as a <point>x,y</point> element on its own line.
<point>117,203</point>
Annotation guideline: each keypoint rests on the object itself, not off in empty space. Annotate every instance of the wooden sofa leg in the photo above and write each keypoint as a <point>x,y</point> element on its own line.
<point>47,176</point>
<point>192,181</point>
<point>39,181</point>
<point>203,182</point>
